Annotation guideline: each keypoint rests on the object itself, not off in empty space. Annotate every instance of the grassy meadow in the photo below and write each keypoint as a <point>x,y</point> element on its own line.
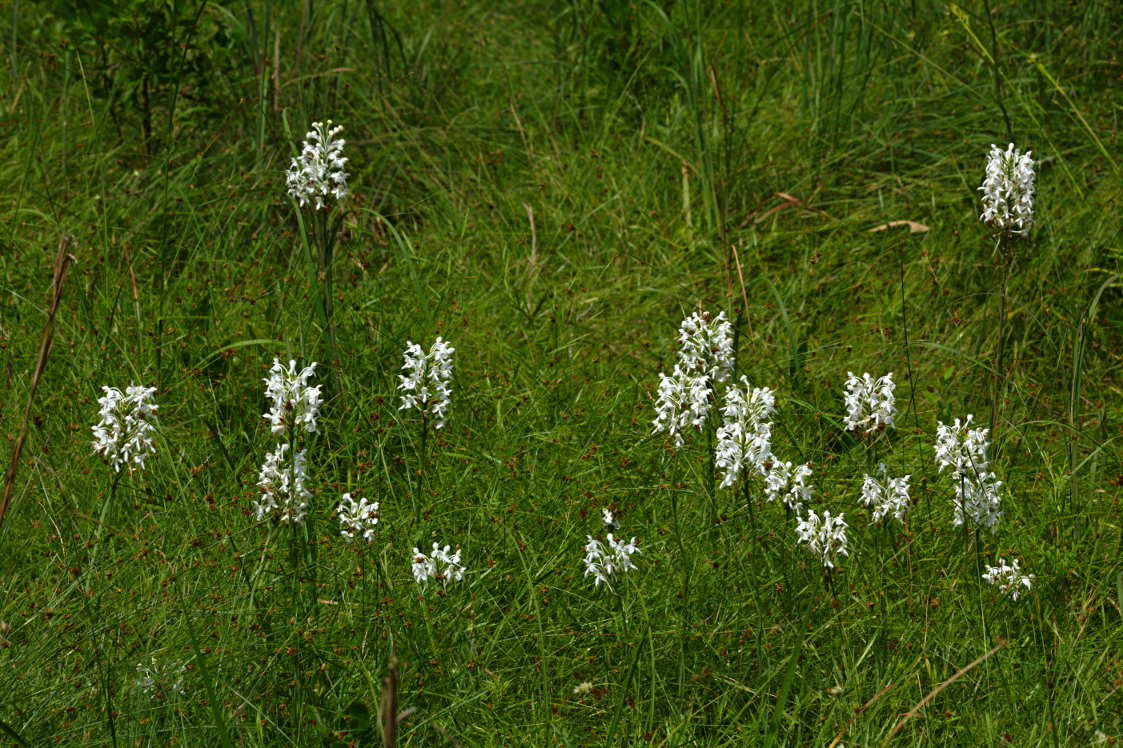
<point>552,187</point>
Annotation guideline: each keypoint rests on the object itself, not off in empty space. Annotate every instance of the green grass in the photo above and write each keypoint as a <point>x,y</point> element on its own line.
<point>552,187</point>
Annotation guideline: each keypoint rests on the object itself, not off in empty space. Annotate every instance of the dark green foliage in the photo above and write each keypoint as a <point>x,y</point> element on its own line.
<point>139,56</point>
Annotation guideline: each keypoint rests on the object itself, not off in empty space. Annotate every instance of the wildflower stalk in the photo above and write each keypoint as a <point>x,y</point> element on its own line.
<point>327,252</point>
<point>422,456</point>
<point>294,551</point>
<point>426,386</point>
<point>283,478</point>
<point>1008,194</point>
<point>624,628</point>
<point>363,596</point>
<point>317,177</point>
<point>979,587</point>
<point>711,468</point>
<point>109,500</point>
<point>319,247</point>
<point>749,503</point>
<point>999,356</point>
<point>884,619</point>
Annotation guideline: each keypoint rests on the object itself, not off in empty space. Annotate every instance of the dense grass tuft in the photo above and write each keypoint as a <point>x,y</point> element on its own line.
<point>551,188</point>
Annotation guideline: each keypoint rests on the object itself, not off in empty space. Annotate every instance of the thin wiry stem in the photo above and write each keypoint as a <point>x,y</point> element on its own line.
<point>999,359</point>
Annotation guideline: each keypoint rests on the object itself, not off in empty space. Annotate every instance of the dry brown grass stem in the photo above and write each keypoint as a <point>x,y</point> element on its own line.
<point>62,260</point>
<point>858,712</point>
<point>935,691</point>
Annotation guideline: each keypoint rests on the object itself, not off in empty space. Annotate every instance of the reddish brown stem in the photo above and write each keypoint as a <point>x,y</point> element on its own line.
<point>62,259</point>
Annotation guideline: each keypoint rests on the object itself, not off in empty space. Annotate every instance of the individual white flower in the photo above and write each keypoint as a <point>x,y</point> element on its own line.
<point>604,559</point>
<point>977,499</point>
<point>158,679</point>
<point>1008,578</point>
<point>123,435</point>
<point>869,402</point>
<point>964,450</point>
<point>427,381</point>
<point>317,175</point>
<point>825,537</point>
<point>706,346</point>
<point>357,518</point>
<point>609,521</point>
<point>439,564</point>
<point>788,484</point>
<point>283,485</point>
<point>887,496</point>
<point>745,437</point>
<point>294,403</point>
<point>682,402</point>
<point>960,447</point>
<point>1008,190</point>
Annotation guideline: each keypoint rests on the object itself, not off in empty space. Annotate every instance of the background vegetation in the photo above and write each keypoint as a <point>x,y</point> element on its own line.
<point>552,186</point>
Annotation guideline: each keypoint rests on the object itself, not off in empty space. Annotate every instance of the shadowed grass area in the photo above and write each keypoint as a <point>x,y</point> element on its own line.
<point>552,187</point>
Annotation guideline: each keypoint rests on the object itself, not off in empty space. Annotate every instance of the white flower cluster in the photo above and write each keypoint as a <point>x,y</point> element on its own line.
<point>705,358</point>
<point>788,484</point>
<point>439,564</point>
<point>960,447</point>
<point>294,403</point>
<point>869,402</point>
<point>887,496</point>
<point>1008,578</point>
<point>427,378</point>
<point>604,559</point>
<point>357,518</point>
<point>745,436</point>
<point>1008,190</point>
<point>682,401</point>
<point>283,479</point>
<point>964,450</point>
<point>825,537</point>
<point>317,175</point>
<point>283,486</point>
<point>158,679</point>
<point>123,436</point>
<point>706,346</point>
